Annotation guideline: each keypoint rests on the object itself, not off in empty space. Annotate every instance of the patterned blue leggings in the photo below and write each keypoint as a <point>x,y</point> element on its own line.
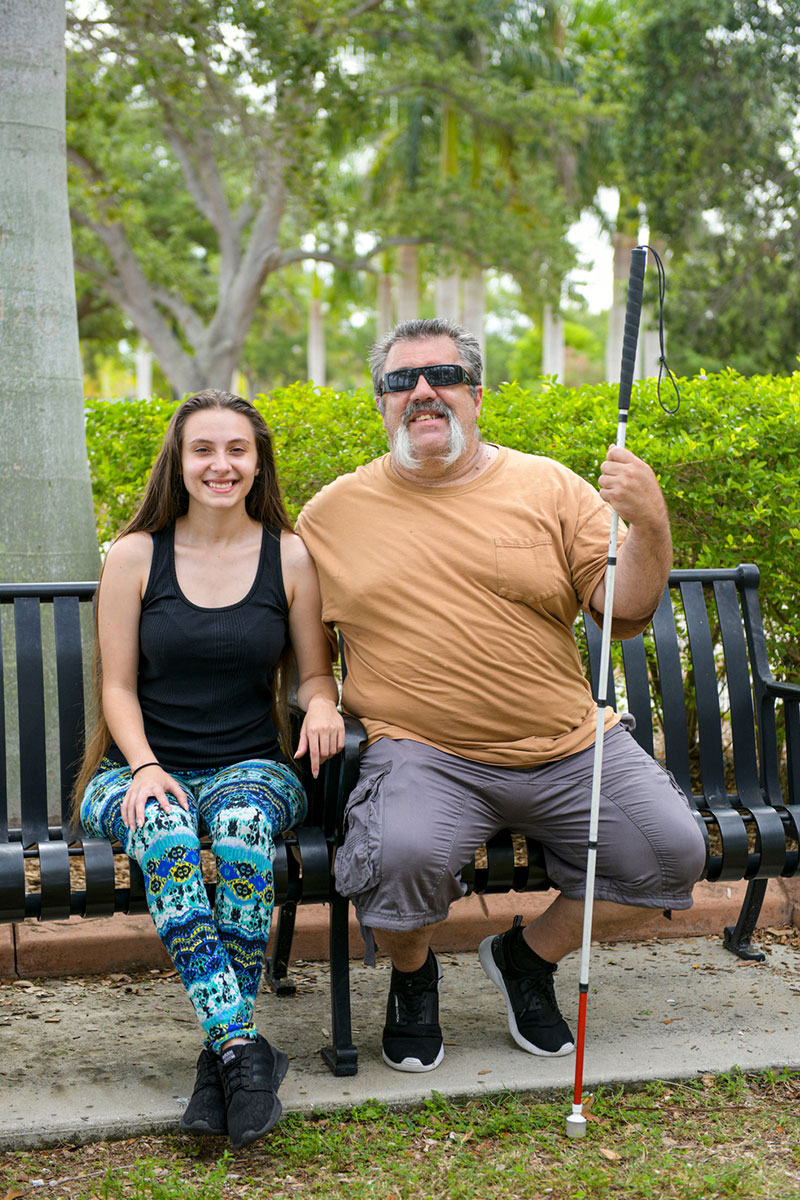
<point>219,955</point>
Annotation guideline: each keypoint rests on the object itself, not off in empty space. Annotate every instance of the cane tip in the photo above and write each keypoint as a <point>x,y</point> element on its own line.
<point>576,1126</point>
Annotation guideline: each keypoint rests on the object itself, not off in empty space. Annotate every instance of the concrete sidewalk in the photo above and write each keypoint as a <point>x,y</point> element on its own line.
<point>113,1056</point>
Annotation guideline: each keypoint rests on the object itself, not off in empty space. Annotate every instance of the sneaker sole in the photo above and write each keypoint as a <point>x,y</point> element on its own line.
<point>252,1135</point>
<point>202,1128</point>
<point>492,970</point>
<point>413,1065</point>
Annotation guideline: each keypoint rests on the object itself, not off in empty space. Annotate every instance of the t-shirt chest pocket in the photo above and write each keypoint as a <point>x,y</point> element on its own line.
<point>526,568</point>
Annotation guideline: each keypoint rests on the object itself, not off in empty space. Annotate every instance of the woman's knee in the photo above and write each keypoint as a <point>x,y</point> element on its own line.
<point>242,827</point>
<point>270,789</point>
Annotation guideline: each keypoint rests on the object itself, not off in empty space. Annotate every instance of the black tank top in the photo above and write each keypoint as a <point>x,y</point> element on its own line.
<point>205,674</point>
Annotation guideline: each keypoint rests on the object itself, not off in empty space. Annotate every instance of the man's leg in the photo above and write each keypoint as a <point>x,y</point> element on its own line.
<point>650,853</point>
<point>411,822</point>
<point>408,951</point>
<point>559,929</point>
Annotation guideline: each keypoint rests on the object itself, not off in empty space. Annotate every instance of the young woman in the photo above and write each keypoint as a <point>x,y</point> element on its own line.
<point>203,600</point>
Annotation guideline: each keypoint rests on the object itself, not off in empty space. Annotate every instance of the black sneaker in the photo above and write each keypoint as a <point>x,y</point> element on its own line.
<point>251,1074</point>
<point>205,1112</point>
<point>533,1017</point>
<point>412,1036</point>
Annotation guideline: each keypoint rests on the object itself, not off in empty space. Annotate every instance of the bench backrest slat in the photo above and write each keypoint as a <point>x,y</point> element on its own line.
<point>69,656</point>
<point>737,670</point>
<point>765,708</point>
<point>637,687</point>
<point>676,734</point>
<point>704,672</point>
<point>32,738</point>
<point>594,636</point>
<point>3,755</point>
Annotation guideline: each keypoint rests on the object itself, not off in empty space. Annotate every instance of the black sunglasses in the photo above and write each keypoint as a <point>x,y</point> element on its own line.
<point>442,375</point>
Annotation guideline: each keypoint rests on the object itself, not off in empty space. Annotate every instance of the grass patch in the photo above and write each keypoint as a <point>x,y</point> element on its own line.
<point>728,1136</point>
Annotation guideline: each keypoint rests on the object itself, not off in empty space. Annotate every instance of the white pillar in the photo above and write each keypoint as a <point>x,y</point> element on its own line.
<point>475,308</point>
<point>552,343</point>
<point>651,352</point>
<point>385,304</point>
<point>316,343</point>
<point>144,371</point>
<point>407,284</point>
<point>446,296</point>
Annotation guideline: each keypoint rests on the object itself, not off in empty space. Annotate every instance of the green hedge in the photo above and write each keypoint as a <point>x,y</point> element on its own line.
<point>727,461</point>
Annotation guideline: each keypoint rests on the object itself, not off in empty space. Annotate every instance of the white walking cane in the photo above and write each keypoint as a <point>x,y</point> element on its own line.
<point>576,1121</point>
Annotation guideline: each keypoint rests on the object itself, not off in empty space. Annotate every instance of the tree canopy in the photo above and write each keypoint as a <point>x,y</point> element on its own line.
<point>214,144</point>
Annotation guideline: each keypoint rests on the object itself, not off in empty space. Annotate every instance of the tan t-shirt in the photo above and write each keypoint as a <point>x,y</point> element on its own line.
<point>456,604</point>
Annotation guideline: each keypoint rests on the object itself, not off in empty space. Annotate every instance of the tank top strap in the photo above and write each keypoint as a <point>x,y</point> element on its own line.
<point>270,571</point>
<point>161,568</point>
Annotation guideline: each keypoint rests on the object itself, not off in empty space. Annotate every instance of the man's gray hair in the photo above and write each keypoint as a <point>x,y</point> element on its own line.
<point>469,351</point>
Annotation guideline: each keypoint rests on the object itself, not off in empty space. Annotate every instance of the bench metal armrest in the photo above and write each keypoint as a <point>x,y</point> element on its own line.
<point>783,690</point>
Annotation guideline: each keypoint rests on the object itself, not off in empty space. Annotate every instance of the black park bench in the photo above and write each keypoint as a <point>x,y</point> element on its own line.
<point>697,682</point>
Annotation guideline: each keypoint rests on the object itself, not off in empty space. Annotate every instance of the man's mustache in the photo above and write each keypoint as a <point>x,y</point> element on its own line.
<point>417,408</point>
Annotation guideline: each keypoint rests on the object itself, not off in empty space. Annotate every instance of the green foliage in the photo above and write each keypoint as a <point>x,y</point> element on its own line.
<point>727,462</point>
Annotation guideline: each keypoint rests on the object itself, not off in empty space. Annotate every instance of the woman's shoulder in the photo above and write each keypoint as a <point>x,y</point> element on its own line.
<point>293,550</point>
<point>131,552</point>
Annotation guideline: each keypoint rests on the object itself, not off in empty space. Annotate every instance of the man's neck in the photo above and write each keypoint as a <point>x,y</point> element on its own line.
<point>433,472</point>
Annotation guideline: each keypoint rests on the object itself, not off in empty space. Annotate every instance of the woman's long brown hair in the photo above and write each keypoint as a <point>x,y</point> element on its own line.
<point>165,499</point>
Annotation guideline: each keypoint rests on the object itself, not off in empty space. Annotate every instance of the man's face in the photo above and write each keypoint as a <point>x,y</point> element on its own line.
<point>420,422</point>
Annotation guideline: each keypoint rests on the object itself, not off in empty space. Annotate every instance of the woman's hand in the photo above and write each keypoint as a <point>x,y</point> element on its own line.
<point>151,782</point>
<point>322,732</point>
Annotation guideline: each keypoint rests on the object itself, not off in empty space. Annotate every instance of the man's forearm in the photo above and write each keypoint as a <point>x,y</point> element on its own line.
<point>643,565</point>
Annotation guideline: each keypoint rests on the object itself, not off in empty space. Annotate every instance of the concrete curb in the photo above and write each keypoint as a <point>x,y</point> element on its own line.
<point>52,949</point>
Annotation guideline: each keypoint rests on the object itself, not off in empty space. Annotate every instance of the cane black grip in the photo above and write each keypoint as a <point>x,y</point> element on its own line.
<point>633,313</point>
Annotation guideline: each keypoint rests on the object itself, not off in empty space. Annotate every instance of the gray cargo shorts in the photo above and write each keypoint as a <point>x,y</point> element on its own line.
<point>417,816</point>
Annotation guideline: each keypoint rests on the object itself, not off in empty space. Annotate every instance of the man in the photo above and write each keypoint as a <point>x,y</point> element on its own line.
<point>454,570</point>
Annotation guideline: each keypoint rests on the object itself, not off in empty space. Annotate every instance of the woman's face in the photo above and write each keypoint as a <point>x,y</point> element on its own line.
<point>219,459</point>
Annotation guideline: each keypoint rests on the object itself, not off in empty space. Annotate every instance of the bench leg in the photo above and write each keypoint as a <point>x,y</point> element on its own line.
<point>737,938</point>
<point>342,1056</point>
<point>277,965</point>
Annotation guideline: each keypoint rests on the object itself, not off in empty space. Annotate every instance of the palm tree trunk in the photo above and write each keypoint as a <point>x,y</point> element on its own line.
<point>47,528</point>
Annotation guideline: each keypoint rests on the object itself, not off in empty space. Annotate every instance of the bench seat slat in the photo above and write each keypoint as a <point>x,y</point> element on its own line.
<point>98,859</point>
<point>12,882</point>
<point>54,868</point>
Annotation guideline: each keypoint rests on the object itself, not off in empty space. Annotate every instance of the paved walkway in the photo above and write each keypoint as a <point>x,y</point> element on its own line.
<point>113,1056</point>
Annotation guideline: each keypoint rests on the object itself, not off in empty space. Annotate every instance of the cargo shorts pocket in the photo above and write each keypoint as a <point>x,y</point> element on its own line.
<point>358,860</point>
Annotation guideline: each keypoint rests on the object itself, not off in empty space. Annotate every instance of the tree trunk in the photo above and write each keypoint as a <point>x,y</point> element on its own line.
<point>47,528</point>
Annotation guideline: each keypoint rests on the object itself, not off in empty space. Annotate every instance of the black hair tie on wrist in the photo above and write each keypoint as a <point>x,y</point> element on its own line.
<point>142,767</point>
